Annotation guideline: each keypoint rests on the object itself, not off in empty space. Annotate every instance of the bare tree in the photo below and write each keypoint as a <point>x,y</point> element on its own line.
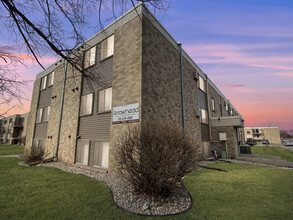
<point>54,27</point>
<point>11,87</point>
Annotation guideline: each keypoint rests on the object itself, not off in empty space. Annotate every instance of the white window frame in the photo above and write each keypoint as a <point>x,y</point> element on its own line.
<point>213,105</point>
<point>86,104</point>
<point>51,79</point>
<point>203,116</point>
<point>44,83</point>
<point>105,100</point>
<point>201,84</point>
<point>85,152</point>
<point>39,115</point>
<point>90,57</point>
<point>107,47</point>
<point>103,148</point>
<point>46,115</point>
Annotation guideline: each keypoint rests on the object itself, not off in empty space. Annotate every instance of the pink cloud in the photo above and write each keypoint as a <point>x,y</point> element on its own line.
<point>238,54</point>
<point>284,74</point>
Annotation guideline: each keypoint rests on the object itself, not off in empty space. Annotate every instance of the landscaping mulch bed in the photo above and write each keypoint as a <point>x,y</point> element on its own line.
<point>124,197</point>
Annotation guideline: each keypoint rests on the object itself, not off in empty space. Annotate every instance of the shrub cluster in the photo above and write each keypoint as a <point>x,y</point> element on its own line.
<point>154,158</point>
<point>34,154</point>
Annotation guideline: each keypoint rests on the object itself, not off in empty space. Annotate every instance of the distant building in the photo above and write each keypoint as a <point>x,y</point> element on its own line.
<point>260,133</point>
<point>13,129</point>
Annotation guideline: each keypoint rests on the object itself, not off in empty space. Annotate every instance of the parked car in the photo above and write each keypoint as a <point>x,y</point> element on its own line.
<point>265,141</point>
<point>289,143</point>
<point>251,142</point>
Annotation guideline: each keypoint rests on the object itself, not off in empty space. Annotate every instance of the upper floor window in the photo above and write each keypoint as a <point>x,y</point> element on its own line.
<point>43,83</point>
<point>213,104</point>
<point>204,116</point>
<point>39,115</point>
<point>90,57</point>
<point>231,112</point>
<point>202,84</point>
<point>248,132</point>
<point>105,100</point>
<point>226,106</point>
<point>107,47</point>
<point>86,106</point>
<point>51,79</point>
<point>46,113</point>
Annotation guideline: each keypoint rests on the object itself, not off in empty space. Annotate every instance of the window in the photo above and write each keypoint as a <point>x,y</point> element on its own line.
<point>248,132</point>
<point>202,85</point>
<point>101,154</point>
<point>39,115</point>
<point>46,113</point>
<point>213,104</point>
<point>107,47</point>
<point>43,83</point>
<point>226,106</point>
<point>90,57</point>
<point>39,145</point>
<point>231,112</point>
<point>105,100</point>
<point>203,118</point>
<point>51,79</point>
<point>82,152</point>
<point>86,104</point>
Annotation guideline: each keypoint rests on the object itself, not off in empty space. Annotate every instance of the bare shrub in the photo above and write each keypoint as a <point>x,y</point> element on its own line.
<point>154,158</point>
<point>34,154</point>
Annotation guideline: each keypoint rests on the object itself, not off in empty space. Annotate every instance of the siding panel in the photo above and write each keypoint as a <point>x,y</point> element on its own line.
<point>41,131</point>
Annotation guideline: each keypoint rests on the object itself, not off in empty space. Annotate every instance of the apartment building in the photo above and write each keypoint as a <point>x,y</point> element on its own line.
<point>139,68</point>
<point>13,129</point>
<point>261,133</point>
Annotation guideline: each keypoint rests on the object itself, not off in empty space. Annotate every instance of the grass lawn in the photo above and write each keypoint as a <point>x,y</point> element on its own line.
<point>11,149</point>
<point>285,154</point>
<point>245,192</point>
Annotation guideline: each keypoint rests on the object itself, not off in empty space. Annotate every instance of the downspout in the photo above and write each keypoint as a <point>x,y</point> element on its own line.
<point>182,88</point>
<point>61,110</point>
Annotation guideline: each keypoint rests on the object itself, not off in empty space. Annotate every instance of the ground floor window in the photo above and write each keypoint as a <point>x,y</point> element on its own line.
<point>82,152</point>
<point>101,154</point>
<point>39,145</point>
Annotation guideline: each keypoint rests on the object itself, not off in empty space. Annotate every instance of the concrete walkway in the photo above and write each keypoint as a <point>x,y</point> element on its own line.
<point>14,155</point>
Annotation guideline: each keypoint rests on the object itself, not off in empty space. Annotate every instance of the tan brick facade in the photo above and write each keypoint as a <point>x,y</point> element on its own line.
<point>32,116</point>
<point>161,93</point>
<point>126,84</point>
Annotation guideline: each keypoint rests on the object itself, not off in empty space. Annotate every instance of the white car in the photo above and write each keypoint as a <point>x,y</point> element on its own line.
<point>289,143</point>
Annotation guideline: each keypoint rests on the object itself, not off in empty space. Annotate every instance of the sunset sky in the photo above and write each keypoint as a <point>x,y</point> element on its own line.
<point>244,46</point>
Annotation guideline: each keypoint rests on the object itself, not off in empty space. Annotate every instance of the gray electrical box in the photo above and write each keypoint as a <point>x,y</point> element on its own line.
<point>222,136</point>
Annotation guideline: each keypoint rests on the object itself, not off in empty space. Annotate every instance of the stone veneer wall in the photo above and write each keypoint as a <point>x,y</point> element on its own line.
<point>161,88</point>
<point>70,114</point>
<point>220,145</point>
<point>32,116</point>
<point>126,84</point>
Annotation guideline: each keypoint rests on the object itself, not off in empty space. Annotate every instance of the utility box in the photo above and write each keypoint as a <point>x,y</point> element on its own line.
<point>222,136</point>
<point>245,149</point>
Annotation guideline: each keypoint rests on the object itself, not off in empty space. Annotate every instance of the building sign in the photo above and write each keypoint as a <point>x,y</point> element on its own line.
<point>126,113</point>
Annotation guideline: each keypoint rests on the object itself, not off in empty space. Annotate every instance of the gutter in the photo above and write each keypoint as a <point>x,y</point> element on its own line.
<point>182,88</point>
<point>61,111</point>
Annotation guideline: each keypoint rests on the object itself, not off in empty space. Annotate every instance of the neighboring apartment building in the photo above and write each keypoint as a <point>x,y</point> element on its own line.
<point>13,129</point>
<point>138,65</point>
<point>261,133</point>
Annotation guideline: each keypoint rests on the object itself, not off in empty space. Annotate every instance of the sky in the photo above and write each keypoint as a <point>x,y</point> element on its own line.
<point>244,46</point>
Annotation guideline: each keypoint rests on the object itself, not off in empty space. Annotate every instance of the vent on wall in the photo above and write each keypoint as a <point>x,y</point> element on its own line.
<point>196,75</point>
<point>198,113</point>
